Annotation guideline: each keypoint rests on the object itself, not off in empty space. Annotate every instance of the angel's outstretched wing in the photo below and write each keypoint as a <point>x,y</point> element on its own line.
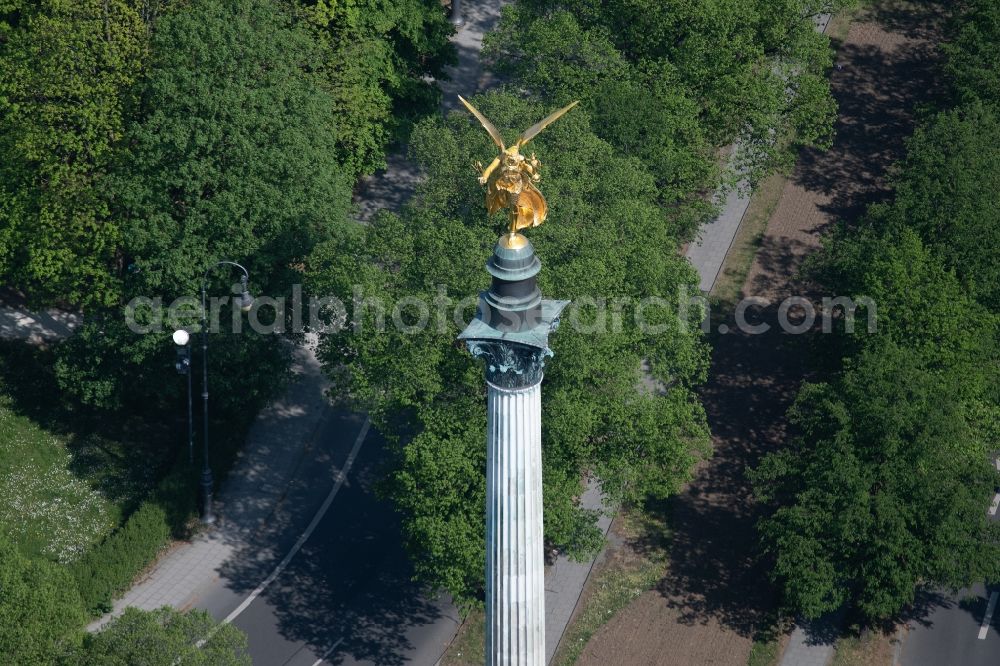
<point>497,139</point>
<point>533,131</point>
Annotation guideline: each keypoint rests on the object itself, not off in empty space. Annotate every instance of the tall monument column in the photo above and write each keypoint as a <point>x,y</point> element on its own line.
<point>510,333</point>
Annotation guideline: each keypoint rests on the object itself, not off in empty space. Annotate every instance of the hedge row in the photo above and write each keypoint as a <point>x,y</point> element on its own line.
<point>111,567</point>
<point>108,569</point>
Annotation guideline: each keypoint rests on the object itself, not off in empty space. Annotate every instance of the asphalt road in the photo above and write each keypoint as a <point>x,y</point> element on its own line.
<point>346,597</point>
<point>956,629</point>
<point>949,633</point>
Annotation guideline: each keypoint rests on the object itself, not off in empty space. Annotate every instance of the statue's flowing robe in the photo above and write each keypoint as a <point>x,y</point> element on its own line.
<point>517,192</point>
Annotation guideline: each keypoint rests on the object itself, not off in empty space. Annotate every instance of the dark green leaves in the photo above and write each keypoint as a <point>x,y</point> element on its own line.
<point>66,74</point>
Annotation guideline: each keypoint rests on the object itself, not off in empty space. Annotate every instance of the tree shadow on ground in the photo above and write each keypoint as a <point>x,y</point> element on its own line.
<point>777,258</point>
<point>122,455</point>
<point>715,571</point>
<point>929,601</point>
<point>349,590</point>
<point>885,81</point>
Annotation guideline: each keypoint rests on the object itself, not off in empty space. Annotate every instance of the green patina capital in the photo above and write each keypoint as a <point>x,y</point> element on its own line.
<point>512,324</point>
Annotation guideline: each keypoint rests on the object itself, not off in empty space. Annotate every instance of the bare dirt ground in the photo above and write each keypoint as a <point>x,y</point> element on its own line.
<point>716,597</point>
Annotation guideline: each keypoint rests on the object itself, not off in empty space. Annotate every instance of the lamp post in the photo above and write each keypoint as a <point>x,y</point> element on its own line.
<point>183,365</point>
<point>246,302</point>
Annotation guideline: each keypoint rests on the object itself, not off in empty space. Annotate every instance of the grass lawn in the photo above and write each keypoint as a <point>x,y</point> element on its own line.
<point>764,653</point>
<point>633,568</point>
<point>46,509</point>
<point>769,643</point>
<point>469,645</point>
<point>729,284</point>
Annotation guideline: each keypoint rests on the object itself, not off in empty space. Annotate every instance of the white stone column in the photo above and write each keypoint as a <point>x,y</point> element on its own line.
<point>510,332</point>
<point>515,566</point>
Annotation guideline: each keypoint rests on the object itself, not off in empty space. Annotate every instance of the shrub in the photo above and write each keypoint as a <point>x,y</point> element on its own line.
<point>163,637</point>
<point>109,568</point>
<point>39,610</point>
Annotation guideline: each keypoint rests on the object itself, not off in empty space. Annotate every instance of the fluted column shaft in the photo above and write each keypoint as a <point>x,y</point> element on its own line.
<point>515,567</point>
<point>510,333</point>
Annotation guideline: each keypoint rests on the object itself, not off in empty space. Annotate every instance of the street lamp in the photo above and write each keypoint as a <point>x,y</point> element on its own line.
<point>246,302</point>
<point>183,365</point>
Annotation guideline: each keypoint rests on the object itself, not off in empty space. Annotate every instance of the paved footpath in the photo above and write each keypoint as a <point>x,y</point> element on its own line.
<point>803,650</point>
<point>279,441</point>
<point>19,323</point>
<point>393,186</point>
<point>565,580</point>
<point>812,643</point>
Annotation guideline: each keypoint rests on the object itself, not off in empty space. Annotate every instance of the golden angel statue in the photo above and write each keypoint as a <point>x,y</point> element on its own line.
<point>510,178</point>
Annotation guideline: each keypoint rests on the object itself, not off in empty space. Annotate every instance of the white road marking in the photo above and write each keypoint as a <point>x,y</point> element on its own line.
<point>324,655</point>
<point>341,477</point>
<point>995,504</point>
<point>990,607</point>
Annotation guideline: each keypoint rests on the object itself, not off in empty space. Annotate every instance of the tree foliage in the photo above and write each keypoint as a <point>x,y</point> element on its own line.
<point>884,490</point>
<point>670,82</point>
<point>40,611</point>
<point>79,79</point>
<point>427,393</point>
<point>885,487</point>
<point>66,72</point>
<point>42,620</point>
<point>662,88</point>
<point>973,54</point>
<point>232,157</point>
<point>233,154</point>
<point>238,136</point>
<point>944,192</point>
<point>377,57</point>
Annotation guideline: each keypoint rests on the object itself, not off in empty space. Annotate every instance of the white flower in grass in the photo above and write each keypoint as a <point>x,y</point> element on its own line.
<point>56,507</point>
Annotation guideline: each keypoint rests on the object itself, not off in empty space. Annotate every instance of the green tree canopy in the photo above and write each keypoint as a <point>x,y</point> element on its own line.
<point>973,54</point>
<point>669,82</point>
<point>377,57</point>
<point>77,89</point>
<point>66,71</point>
<point>945,190</point>
<point>233,156</point>
<point>885,487</point>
